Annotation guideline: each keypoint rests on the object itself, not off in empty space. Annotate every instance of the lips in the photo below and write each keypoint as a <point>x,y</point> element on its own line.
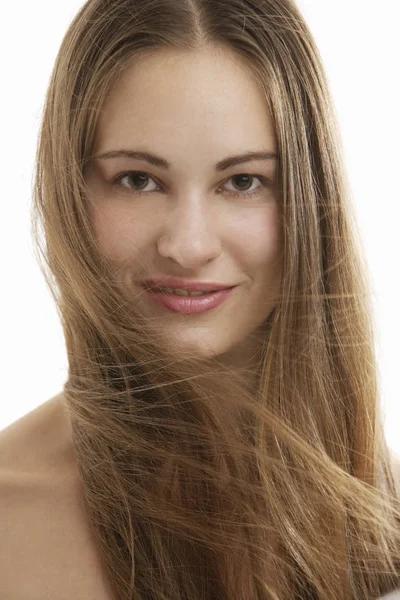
<point>185,284</point>
<point>191,304</point>
<point>183,293</point>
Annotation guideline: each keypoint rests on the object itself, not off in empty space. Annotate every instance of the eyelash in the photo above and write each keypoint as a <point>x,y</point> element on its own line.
<point>264,181</point>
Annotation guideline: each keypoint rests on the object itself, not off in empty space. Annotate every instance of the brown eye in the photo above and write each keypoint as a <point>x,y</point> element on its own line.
<point>244,179</point>
<point>138,178</point>
<point>141,179</point>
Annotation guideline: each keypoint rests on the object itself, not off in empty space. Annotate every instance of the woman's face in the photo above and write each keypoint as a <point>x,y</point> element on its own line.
<point>192,220</point>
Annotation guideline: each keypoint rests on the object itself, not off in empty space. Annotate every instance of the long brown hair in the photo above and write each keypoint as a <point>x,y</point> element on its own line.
<point>284,490</point>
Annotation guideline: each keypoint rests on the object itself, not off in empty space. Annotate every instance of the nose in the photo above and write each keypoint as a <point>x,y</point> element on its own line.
<point>189,235</point>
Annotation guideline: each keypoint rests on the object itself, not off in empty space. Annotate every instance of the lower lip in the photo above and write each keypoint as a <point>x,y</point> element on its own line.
<point>191,305</point>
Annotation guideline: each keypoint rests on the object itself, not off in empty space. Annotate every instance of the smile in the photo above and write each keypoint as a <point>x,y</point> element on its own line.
<point>182,301</point>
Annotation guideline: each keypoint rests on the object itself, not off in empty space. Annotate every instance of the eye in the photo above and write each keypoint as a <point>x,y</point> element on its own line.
<point>141,178</point>
<point>246,179</point>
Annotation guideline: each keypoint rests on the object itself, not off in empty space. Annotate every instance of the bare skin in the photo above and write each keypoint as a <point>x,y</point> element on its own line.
<point>46,546</point>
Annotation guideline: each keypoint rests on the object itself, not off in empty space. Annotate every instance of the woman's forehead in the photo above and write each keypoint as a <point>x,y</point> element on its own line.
<point>193,101</point>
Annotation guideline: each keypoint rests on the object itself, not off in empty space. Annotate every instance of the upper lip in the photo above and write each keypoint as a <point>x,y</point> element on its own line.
<point>185,284</point>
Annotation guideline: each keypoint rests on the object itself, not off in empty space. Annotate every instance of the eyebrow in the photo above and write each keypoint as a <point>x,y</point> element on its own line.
<point>222,165</point>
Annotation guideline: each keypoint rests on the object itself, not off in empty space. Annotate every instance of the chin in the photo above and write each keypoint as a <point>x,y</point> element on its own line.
<point>202,348</point>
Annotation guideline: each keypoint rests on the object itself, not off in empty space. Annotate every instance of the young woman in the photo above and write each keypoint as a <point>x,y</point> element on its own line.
<point>220,434</point>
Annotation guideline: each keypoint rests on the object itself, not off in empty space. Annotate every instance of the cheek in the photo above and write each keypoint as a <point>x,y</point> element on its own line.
<point>118,233</point>
<point>260,238</point>
<point>254,238</point>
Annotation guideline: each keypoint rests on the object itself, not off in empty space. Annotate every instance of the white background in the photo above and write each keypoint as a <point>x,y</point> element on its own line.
<point>360,47</point>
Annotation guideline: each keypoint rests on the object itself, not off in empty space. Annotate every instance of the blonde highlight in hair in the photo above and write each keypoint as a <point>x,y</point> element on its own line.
<point>278,491</point>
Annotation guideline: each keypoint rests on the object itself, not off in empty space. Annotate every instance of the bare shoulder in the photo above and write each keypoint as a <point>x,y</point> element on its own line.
<point>38,442</point>
<point>46,545</point>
